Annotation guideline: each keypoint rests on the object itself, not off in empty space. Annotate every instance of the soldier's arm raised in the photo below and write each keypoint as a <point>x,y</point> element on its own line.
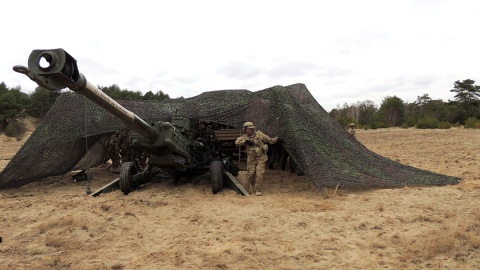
<point>265,138</point>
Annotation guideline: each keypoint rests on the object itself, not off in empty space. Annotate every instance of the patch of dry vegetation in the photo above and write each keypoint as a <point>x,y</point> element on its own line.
<point>68,221</point>
<point>7,139</point>
<point>329,193</point>
<point>458,237</point>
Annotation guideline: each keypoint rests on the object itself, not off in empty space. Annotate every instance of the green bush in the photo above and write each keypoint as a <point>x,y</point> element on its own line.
<point>445,125</point>
<point>405,125</point>
<point>428,123</point>
<point>11,130</point>
<point>375,125</point>
<point>409,121</point>
<point>472,122</point>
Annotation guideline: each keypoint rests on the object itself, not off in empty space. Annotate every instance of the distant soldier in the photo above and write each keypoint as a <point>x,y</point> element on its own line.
<point>274,151</point>
<point>285,158</point>
<point>112,151</point>
<point>127,152</point>
<point>123,145</point>
<point>351,129</point>
<point>256,154</point>
<point>206,135</point>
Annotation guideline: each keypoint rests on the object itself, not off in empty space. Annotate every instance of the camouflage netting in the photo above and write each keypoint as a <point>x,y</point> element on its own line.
<point>327,154</point>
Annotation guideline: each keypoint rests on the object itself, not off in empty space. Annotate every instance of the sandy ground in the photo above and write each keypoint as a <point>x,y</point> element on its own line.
<point>53,224</point>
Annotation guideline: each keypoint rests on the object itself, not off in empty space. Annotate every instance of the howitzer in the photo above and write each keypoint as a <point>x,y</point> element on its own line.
<point>170,153</point>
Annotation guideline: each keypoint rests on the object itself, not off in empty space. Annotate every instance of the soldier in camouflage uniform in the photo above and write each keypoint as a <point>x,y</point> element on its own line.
<point>256,154</point>
<point>351,130</point>
<point>127,152</point>
<point>209,137</point>
<point>112,151</point>
<point>123,146</point>
<point>285,158</point>
<point>205,134</point>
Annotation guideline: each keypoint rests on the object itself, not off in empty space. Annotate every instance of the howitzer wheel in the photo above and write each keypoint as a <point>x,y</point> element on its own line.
<point>217,176</point>
<point>127,171</point>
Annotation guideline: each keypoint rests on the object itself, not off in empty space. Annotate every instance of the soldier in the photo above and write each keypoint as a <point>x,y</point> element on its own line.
<point>274,154</point>
<point>206,135</point>
<point>351,130</point>
<point>127,152</point>
<point>285,158</point>
<point>122,145</point>
<point>256,154</point>
<point>112,151</point>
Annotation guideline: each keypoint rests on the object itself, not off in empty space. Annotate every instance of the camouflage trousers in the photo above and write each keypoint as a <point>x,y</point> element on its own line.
<point>255,171</point>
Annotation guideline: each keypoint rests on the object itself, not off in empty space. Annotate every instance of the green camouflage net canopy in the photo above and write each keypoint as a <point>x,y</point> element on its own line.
<point>323,149</point>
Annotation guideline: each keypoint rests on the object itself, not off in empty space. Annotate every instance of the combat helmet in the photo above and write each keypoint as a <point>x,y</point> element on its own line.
<point>248,125</point>
<point>352,124</point>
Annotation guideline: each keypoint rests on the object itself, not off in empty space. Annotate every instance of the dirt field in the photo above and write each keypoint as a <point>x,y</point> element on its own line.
<point>53,224</point>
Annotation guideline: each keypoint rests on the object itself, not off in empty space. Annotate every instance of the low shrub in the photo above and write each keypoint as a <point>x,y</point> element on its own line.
<point>409,121</point>
<point>11,130</point>
<point>375,125</point>
<point>445,125</point>
<point>472,122</point>
<point>428,123</point>
<point>15,128</point>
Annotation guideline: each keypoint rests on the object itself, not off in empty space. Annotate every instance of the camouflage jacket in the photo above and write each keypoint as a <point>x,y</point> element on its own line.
<point>351,131</point>
<point>259,149</point>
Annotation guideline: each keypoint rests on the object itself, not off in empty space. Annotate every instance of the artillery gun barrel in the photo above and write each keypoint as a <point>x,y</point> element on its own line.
<point>56,69</point>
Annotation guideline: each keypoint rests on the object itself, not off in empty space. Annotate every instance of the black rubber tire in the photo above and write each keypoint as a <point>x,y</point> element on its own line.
<point>127,171</point>
<point>216,171</point>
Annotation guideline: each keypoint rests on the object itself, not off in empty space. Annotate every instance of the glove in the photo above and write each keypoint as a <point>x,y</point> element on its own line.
<point>250,143</point>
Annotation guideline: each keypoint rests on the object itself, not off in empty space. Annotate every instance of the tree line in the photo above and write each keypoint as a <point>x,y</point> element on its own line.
<point>425,112</point>
<point>15,104</point>
<point>392,112</point>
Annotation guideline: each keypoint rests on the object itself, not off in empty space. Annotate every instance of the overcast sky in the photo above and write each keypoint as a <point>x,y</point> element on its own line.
<point>343,51</point>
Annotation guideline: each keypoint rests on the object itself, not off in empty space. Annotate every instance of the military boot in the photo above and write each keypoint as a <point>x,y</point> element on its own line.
<point>258,192</point>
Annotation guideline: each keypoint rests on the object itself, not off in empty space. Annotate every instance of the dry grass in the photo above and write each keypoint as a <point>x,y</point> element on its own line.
<point>457,237</point>
<point>6,139</point>
<point>68,221</point>
<point>330,193</point>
